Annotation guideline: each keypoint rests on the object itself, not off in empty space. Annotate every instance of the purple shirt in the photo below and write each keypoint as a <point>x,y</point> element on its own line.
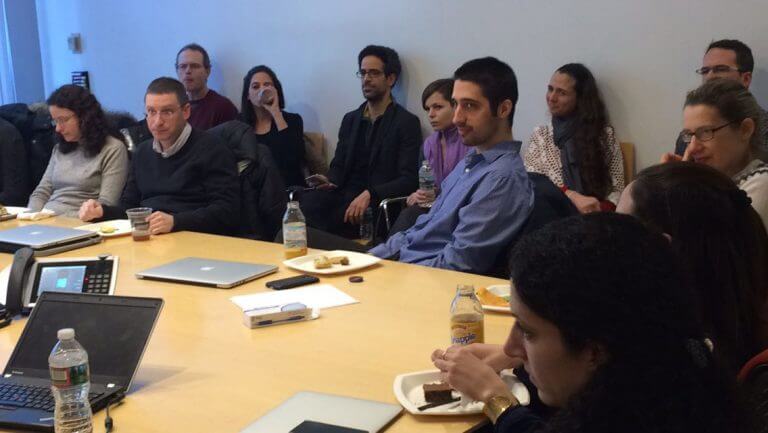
<point>211,110</point>
<point>455,150</point>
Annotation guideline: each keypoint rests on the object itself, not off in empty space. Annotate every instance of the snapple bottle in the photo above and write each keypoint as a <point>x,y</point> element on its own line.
<point>467,324</point>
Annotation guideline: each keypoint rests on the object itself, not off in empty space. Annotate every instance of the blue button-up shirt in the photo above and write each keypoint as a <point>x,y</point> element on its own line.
<point>483,204</point>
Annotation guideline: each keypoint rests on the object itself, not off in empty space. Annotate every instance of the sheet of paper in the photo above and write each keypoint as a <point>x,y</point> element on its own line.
<point>314,296</point>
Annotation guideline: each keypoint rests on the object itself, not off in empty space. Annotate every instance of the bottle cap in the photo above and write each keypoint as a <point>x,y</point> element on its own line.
<point>66,334</point>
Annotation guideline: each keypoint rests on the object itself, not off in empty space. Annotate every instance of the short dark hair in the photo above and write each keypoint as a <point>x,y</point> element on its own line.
<point>744,58</point>
<point>607,281</point>
<point>722,247</point>
<point>195,47</point>
<point>387,55</point>
<point>166,85</point>
<point>94,126</point>
<point>246,108</point>
<point>496,79</point>
<point>443,86</point>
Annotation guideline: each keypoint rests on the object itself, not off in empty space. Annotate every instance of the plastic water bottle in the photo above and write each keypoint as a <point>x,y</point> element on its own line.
<point>366,227</point>
<point>68,365</point>
<point>427,181</point>
<point>294,231</point>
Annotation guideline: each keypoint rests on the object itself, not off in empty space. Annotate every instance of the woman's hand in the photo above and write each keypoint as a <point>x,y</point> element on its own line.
<point>584,203</point>
<point>469,375</point>
<point>491,354</point>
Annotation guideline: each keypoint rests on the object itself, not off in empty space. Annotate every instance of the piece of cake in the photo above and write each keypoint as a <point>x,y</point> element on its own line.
<point>322,262</point>
<point>439,392</point>
<point>340,260</point>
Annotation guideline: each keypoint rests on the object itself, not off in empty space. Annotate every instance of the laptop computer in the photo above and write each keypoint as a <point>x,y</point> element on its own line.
<point>352,413</point>
<point>207,272</point>
<point>46,240</point>
<point>114,330</point>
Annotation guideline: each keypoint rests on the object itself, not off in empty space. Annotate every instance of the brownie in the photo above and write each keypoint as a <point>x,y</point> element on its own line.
<point>437,392</point>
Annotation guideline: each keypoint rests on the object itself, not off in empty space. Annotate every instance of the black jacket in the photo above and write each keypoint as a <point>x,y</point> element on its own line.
<point>14,176</point>
<point>394,153</point>
<point>38,137</point>
<point>263,196</point>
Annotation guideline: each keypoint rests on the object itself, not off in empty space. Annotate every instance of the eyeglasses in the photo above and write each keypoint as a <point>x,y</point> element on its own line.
<point>705,133</point>
<point>61,120</point>
<point>371,73</point>
<point>190,66</point>
<point>717,69</point>
<point>165,113</point>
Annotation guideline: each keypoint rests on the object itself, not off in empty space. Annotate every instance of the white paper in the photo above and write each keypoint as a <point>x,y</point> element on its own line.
<point>314,296</point>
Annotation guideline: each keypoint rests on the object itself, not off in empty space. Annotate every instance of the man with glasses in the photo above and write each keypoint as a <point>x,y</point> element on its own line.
<point>730,59</point>
<point>377,155</point>
<point>193,67</point>
<point>187,176</point>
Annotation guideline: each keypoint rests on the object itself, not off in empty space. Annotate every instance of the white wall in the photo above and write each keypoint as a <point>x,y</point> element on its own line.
<point>23,49</point>
<point>643,53</point>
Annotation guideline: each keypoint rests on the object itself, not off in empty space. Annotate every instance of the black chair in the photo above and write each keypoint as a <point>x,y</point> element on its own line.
<point>263,200</point>
<point>549,204</point>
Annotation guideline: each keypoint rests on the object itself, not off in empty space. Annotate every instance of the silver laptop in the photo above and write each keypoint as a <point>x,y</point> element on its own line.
<point>354,413</point>
<point>207,272</point>
<point>46,240</point>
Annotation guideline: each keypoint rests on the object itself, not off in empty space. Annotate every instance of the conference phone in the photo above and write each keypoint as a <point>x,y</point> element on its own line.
<point>30,276</point>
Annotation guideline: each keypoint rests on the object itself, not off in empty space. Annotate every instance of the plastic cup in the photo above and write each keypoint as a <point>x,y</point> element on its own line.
<point>139,225</point>
<point>265,97</point>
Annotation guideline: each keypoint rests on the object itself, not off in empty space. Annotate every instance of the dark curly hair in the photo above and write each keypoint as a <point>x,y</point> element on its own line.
<point>94,126</point>
<point>606,280</point>
<point>247,114</point>
<point>722,245</point>
<point>591,137</point>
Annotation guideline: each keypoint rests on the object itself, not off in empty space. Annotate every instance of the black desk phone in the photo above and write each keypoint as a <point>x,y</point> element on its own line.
<point>31,276</point>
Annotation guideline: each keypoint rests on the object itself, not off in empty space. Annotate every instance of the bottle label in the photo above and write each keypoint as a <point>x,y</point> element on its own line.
<point>464,333</point>
<point>295,236</point>
<point>69,376</point>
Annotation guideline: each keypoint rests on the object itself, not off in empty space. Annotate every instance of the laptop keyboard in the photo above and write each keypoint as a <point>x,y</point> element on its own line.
<point>33,397</point>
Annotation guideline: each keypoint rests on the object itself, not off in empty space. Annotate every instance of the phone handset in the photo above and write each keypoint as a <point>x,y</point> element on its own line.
<point>23,260</point>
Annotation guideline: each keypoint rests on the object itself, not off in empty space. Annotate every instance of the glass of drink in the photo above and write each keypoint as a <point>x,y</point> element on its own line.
<point>139,223</point>
<point>265,97</point>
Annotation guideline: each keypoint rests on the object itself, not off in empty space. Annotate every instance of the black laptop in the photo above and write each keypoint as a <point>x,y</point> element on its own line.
<point>114,330</point>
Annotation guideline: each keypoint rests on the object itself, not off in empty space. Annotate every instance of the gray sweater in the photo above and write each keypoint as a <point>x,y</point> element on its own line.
<point>73,178</point>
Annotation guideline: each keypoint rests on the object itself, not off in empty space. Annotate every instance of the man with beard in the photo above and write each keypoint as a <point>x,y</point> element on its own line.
<point>377,155</point>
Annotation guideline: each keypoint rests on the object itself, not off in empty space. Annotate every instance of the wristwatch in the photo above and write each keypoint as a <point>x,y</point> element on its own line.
<point>496,405</point>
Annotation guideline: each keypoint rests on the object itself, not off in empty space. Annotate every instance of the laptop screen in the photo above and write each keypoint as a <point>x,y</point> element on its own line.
<point>114,330</point>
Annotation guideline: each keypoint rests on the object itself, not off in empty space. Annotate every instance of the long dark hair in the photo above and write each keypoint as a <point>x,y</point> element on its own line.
<point>721,244</point>
<point>590,137</point>
<point>247,114</point>
<point>94,126</point>
<point>606,280</point>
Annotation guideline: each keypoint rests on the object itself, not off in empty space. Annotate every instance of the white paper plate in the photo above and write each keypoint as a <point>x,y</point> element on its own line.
<point>356,261</point>
<point>409,393</point>
<point>502,290</point>
<point>122,228</point>
<point>12,212</point>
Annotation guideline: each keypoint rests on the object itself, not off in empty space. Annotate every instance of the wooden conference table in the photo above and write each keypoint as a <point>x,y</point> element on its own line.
<point>204,371</point>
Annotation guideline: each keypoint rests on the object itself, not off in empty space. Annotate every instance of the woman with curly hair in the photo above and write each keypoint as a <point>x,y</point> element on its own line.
<point>89,161</point>
<point>578,149</point>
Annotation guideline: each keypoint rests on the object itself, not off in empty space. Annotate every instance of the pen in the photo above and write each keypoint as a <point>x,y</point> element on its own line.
<point>272,322</point>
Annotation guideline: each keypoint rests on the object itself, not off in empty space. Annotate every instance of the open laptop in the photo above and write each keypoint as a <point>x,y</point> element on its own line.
<point>207,272</point>
<point>114,330</point>
<point>46,240</point>
<point>352,413</point>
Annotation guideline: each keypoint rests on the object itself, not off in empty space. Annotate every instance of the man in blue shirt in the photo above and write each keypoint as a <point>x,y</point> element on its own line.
<point>487,198</point>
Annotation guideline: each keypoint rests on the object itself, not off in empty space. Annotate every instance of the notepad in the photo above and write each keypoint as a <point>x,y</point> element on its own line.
<point>315,296</point>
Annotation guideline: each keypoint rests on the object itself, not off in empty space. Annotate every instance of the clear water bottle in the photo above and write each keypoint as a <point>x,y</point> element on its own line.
<point>294,231</point>
<point>366,227</point>
<point>467,321</point>
<point>427,182</point>
<point>70,379</point>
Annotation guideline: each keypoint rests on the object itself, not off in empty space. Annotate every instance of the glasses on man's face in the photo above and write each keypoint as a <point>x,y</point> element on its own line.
<point>165,113</point>
<point>705,133</point>
<point>61,120</point>
<point>190,66</point>
<point>371,73</point>
<point>717,69</point>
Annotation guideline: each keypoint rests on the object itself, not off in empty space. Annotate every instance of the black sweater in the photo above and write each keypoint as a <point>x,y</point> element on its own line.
<point>198,185</point>
<point>287,147</point>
